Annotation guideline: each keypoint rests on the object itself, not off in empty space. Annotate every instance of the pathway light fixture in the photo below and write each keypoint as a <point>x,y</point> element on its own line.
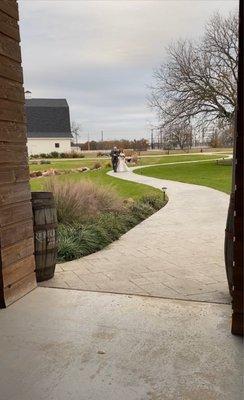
<point>164,188</point>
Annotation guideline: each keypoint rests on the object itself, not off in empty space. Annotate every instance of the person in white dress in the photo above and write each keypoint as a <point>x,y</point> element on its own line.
<point>122,167</point>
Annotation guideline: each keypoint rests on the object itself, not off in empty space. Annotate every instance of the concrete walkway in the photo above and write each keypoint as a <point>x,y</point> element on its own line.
<point>176,253</point>
<point>71,345</point>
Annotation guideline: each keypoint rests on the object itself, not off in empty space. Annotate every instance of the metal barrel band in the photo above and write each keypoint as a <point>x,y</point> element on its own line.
<point>45,227</point>
<point>47,251</point>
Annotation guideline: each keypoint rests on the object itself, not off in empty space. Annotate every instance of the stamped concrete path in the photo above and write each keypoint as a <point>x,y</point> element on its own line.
<point>176,253</point>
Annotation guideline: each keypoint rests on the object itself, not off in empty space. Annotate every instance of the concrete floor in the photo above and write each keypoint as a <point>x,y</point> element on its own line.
<point>71,345</point>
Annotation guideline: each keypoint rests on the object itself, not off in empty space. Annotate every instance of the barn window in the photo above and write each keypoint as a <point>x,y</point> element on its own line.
<point>57,145</point>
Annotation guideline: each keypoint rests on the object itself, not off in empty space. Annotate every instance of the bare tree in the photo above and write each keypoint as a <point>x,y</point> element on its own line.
<point>75,130</point>
<point>199,80</point>
<point>177,135</point>
<point>221,135</point>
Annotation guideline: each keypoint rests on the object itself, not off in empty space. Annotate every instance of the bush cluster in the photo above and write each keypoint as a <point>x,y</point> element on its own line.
<point>90,217</point>
<point>78,240</point>
<point>55,154</point>
<point>96,165</point>
<point>103,154</point>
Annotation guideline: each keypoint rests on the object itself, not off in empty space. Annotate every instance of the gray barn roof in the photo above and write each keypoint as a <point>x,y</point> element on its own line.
<point>47,118</point>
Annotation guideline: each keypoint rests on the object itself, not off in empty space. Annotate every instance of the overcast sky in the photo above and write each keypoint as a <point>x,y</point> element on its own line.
<point>100,55</point>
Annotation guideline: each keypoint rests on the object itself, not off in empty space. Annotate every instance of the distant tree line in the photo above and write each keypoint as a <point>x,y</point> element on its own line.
<point>218,134</point>
<point>136,144</point>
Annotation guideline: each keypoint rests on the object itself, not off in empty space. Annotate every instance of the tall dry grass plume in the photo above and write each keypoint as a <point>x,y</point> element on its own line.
<point>78,201</point>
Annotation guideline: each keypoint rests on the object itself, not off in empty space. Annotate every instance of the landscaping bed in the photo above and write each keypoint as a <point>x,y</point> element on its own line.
<point>91,217</point>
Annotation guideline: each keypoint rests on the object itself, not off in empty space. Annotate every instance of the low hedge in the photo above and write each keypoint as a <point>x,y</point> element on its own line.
<point>55,154</point>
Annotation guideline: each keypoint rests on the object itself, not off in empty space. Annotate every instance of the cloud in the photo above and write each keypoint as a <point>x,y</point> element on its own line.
<point>100,55</point>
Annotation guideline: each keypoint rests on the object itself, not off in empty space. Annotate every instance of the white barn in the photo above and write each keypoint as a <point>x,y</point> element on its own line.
<point>48,126</point>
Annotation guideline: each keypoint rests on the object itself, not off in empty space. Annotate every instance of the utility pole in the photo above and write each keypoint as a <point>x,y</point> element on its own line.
<point>161,138</point>
<point>88,142</point>
<point>203,135</point>
<point>152,140</point>
<point>101,136</point>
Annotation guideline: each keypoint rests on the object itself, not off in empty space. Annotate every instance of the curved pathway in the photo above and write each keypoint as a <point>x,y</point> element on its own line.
<point>176,253</point>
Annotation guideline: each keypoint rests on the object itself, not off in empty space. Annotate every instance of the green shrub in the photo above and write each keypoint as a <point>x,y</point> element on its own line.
<point>68,245</point>
<point>33,156</point>
<point>114,224</point>
<point>77,155</point>
<point>78,241</point>
<point>156,201</point>
<point>54,154</point>
<point>45,162</point>
<point>141,210</point>
<point>71,154</point>
<point>102,154</point>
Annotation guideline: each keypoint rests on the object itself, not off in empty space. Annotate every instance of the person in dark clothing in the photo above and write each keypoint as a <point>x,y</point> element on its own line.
<point>115,158</point>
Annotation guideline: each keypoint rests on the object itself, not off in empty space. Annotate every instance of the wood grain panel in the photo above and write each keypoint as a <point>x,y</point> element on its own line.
<point>10,8</point>
<point>20,288</point>
<point>9,26</point>
<point>238,283</point>
<point>17,263</point>
<point>11,111</point>
<point>13,153</point>
<point>10,69</point>
<point>17,251</point>
<point>9,48</point>
<point>15,233</point>
<point>12,132</point>
<point>14,272</point>
<point>11,90</point>
<point>6,177</point>
<point>22,174</point>
<point>12,194</point>
<point>15,213</point>
<point>11,174</point>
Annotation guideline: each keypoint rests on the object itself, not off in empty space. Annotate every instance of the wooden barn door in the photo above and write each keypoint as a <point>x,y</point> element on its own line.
<point>17,265</point>
<point>238,276</point>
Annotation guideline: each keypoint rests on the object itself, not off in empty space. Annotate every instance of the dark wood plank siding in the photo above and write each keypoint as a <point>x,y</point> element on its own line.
<point>17,262</point>
<point>238,275</point>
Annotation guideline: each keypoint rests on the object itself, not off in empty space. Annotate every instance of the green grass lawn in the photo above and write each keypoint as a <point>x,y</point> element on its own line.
<point>124,188</point>
<point>86,162</point>
<point>206,174</point>
<point>176,158</point>
<point>67,164</point>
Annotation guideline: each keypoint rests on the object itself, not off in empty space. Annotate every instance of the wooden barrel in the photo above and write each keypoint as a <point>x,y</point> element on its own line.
<point>229,233</point>
<point>45,234</point>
